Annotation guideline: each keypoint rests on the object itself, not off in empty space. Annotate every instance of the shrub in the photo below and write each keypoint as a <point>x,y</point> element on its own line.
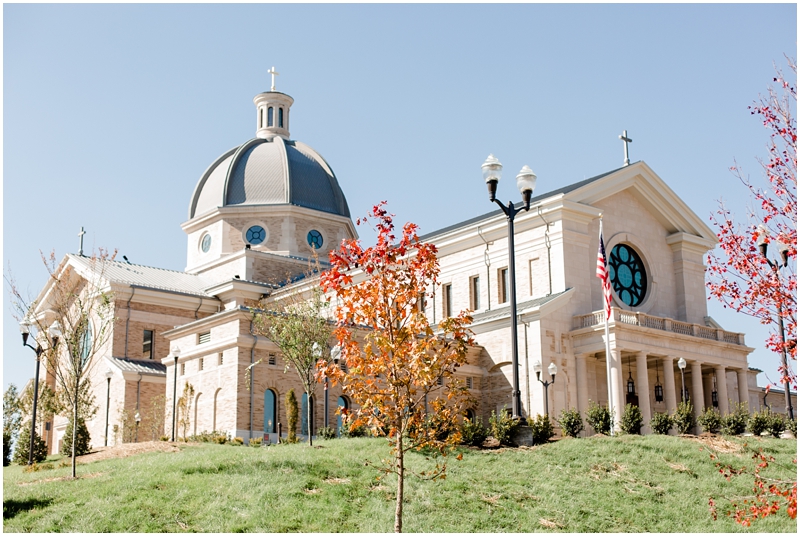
<point>683,418</point>
<point>164,438</point>
<point>326,432</point>
<point>24,444</point>
<point>473,433</point>
<point>502,427</point>
<point>759,422</point>
<point>255,441</point>
<point>661,423</point>
<point>777,424</point>
<point>82,438</point>
<point>571,422</point>
<point>349,430</point>
<point>710,420</point>
<point>542,429</point>
<point>599,418</point>
<point>791,426</point>
<point>291,416</point>
<point>6,448</point>
<point>632,419</point>
<point>237,441</point>
<point>735,422</point>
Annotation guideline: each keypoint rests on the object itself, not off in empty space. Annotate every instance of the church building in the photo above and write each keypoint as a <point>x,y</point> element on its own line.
<point>264,210</point>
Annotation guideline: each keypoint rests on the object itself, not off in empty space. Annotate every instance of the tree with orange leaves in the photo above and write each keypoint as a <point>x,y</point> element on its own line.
<point>400,368</point>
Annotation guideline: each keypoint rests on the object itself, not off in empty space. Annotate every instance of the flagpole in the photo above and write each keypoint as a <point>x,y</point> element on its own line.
<point>608,351</point>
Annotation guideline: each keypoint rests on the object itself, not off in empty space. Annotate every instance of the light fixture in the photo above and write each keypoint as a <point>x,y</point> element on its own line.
<point>109,374</point>
<point>762,239</point>
<point>336,352</point>
<point>537,368</point>
<point>783,248</point>
<point>631,385</point>
<point>526,182</point>
<point>681,363</point>
<point>492,171</point>
<point>714,395</point>
<point>552,369</point>
<point>659,390</point>
<point>684,391</point>
<point>176,352</point>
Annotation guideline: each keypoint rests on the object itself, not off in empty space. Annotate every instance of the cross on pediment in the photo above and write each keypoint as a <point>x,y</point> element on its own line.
<point>626,140</point>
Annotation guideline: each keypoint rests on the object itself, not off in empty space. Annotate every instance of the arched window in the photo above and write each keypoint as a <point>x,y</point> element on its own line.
<point>216,405</point>
<point>280,117</point>
<point>470,415</point>
<point>196,412</point>
<point>270,411</point>
<point>304,428</point>
<point>343,404</point>
<point>86,342</point>
<point>269,116</point>
<point>261,118</point>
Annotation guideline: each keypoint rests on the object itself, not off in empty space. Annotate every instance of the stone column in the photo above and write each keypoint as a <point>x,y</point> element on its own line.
<point>617,390</point>
<point>698,399</point>
<point>644,390</point>
<point>669,385</point>
<point>583,383</point>
<point>722,389</point>
<point>708,386</point>
<point>744,390</point>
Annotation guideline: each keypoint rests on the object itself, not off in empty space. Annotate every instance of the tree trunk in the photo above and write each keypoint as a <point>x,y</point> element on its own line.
<point>398,511</point>
<point>309,425</point>
<point>74,432</point>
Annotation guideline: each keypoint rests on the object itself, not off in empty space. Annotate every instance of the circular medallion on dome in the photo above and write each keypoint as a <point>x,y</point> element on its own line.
<point>205,243</point>
<point>256,234</point>
<point>314,239</point>
<point>627,274</point>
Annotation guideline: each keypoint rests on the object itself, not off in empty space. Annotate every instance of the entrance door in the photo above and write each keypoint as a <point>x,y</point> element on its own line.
<point>270,414</point>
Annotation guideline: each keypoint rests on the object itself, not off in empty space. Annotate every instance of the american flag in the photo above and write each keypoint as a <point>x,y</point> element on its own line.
<point>602,273</point>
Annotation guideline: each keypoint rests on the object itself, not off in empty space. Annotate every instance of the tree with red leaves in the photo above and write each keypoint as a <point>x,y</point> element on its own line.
<point>743,277</point>
<point>400,369</point>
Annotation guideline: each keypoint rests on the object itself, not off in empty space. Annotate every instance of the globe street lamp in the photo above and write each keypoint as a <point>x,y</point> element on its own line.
<point>109,374</point>
<point>552,369</point>
<point>682,366</point>
<point>176,352</point>
<point>783,248</point>
<point>55,333</point>
<point>526,182</point>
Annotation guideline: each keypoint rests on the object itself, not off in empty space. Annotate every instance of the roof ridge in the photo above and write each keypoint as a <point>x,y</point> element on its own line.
<point>126,263</point>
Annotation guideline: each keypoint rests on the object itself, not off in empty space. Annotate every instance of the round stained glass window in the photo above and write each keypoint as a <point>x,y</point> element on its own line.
<point>627,274</point>
<point>314,239</point>
<point>256,234</point>
<point>205,243</point>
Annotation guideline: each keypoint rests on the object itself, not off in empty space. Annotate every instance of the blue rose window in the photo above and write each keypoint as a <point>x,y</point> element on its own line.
<point>256,234</point>
<point>205,245</point>
<point>314,239</point>
<point>628,276</point>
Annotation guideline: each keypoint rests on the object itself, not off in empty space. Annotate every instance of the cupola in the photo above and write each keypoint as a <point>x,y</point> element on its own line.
<point>272,112</point>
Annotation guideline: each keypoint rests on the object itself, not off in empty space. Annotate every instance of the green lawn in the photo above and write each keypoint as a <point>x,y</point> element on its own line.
<point>600,484</point>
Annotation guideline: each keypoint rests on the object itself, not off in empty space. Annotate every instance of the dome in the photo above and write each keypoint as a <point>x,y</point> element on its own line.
<point>270,169</point>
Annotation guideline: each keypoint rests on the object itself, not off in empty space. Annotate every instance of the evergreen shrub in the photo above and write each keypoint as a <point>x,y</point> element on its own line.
<point>292,413</point>
<point>792,426</point>
<point>683,418</point>
<point>710,420</point>
<point>326,432</point>
<point>777,424</point>
<point>502,427</point>
<point>542,429</point>
<point>24,444</point>
<point>348,430</point>
<point>571,422</point>
<point>473,433</point>
<point>82,438</point>
<point>255,442</point>
<point>759,422</point>
<point>660,423</point>
<point>631,422</point>
<point>6,448</point>
<point>599,418</point>
<point>735,422</point>
<point>237,441</point>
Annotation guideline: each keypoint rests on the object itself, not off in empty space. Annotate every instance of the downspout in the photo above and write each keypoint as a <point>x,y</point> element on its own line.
<point>252,373</point>
<point>527,371</point>
<point>138,398</point>
<point>547,244</point>
<point>488,263</point>
<point>128,319</point>
<point>198,308</point>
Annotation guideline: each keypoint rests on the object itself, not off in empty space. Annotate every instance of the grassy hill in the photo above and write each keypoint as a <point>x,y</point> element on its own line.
<point>599,484</point>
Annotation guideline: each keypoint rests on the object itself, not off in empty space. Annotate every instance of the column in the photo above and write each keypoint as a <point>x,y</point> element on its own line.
<point>708,386</point>
<point>583,383</point>
<point>669,385</point>
<point>644,390</point>
<point>698,400</point>
<point>722,389</point>
<point>744,390</point>
<point>617,389</point>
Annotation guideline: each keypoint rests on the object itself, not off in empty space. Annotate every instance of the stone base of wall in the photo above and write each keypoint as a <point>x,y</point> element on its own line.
<point>523,436</point>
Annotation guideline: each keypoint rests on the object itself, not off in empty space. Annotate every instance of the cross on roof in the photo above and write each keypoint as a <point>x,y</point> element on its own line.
<point>273,72</point>
<point>80,235</point>
<point>626,140</point>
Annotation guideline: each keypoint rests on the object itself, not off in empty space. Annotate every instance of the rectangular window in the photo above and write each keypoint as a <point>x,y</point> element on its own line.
<point>271,359</point>
<point>469,382</point>
<point>502,286</point>
<point>147,344</point>
<point>439,381</point>
<point>203,338</point>
<point>475,292</point>
<point>183,369</point>
<point>343,366</point>
<point>447,297</point>
<point>200,364</point>
<point>421,303</point>
<point>219,359</point>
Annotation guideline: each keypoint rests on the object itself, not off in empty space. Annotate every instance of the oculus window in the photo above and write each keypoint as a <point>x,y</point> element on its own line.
<point>627,274</point>
<point>256,234</point>
<point>314,238</point>
<point>205,243</point>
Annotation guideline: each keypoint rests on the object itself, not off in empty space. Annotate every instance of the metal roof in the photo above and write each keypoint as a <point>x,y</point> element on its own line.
<point>149,277</point>
<point>139,366</point>
<point>504,311</point>
<point>498,212</point>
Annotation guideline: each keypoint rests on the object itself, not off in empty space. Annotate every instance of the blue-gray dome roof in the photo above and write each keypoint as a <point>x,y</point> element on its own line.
<point>269,172</point>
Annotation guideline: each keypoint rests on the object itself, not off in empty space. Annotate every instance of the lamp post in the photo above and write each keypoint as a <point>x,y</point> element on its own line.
<point>55,333</point>
<point>783,248</point>
<point>526,182</point>
<point>552,369</point>
<point>138,419</point>
<point>176,352</point>
<point>109,373</point>
<point>316,350</point>
<point>682,366</point>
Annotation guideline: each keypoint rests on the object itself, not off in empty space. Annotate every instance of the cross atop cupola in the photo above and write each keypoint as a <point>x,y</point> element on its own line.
<point>272,111</point>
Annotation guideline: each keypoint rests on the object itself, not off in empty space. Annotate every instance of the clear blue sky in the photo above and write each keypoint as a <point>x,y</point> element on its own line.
<point>112,112</point>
